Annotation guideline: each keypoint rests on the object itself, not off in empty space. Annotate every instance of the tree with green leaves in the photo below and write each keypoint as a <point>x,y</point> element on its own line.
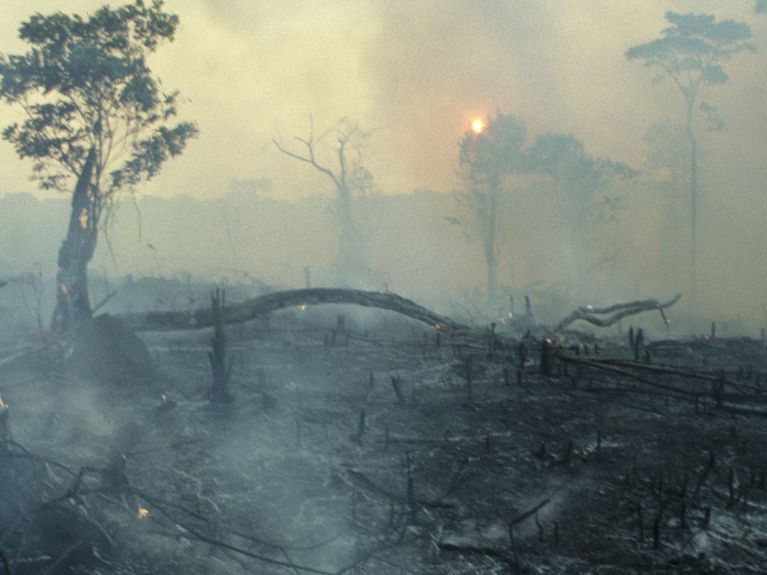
<point>488,155</point>
<point>692,51</point>
<point>93,112</point>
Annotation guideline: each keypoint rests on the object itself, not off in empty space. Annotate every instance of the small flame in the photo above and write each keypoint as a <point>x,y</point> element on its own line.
<point>477,125</point>
<point>303,306</point>
<point>3,405</point>
<point>142,512</point>
<point>83,218</point>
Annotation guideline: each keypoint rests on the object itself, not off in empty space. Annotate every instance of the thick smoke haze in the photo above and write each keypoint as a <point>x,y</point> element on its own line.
<point>415,73</point>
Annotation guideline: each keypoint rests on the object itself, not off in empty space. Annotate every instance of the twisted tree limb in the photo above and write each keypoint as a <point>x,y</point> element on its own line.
<point>265,304</point>
<point>618,311</point>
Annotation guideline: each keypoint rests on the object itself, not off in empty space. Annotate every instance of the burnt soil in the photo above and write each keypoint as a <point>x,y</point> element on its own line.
<point>318,465</point>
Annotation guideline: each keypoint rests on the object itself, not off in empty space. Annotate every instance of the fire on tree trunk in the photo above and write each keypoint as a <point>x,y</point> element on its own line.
<point>72,301</point>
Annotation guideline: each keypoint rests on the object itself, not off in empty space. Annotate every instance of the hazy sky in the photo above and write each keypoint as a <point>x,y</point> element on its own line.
<point>415,72</point>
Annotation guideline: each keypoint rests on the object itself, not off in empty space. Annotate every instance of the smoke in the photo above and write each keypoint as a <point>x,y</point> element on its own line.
<point>415,74</point>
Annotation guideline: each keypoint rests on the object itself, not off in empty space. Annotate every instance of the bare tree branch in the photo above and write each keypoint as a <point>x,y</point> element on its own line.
<point>621,310</point>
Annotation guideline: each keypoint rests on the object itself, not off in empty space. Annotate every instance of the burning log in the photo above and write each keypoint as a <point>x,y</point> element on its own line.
<point>615,313</point>
<point>266,304</point>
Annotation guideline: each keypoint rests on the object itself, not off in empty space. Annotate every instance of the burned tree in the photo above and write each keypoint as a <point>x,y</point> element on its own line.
<point>93,112</point>
<point>692,52</point>
<point>350,178</point>
<point>220,367</point>
<point>488,154</point>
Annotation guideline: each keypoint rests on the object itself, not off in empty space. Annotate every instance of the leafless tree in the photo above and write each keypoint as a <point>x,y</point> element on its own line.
<point>350,179</point>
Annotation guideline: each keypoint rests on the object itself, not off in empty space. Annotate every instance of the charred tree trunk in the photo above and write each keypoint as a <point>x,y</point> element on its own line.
<point>222,370</point>
<point>72,300</point>
<point>491,241</point>
<point>486,197</point>
<point>266,304</point>
<point>350,263</point>
<point>349,245</point>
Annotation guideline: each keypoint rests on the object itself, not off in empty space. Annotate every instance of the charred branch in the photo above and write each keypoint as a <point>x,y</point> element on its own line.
<point>616,312</point>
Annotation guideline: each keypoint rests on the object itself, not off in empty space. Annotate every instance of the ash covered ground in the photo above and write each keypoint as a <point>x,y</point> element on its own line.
<point>380,447</point>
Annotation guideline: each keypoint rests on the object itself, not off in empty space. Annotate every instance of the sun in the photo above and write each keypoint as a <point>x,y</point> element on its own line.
<point>477,125</point>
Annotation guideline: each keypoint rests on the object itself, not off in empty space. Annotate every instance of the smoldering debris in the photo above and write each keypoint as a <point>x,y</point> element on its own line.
<point>340,470</point>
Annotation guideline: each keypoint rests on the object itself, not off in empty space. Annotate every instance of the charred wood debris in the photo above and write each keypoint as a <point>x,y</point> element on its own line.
<point>497,449</point>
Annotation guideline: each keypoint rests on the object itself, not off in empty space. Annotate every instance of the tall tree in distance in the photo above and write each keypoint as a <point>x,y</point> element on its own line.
<point>577,177</point>
<point>351,179</point>
<point>692,52</point>
<point>489,153</point>
<point>93,113</point>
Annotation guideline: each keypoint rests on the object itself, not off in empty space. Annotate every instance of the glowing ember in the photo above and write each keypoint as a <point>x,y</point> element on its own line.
<point>477,125</point>
<point>3,405</point>
<point>142,512</point>
<point>303,306</point>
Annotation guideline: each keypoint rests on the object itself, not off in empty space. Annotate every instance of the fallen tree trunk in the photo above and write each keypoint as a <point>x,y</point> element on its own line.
<point>266,304</point>
<point>618,311</point>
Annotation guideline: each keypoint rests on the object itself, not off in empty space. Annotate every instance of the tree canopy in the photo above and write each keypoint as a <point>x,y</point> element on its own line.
<point>692,50</point>
<point>85,84</point>
<point>497,150</point>
<point>563,157</point>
